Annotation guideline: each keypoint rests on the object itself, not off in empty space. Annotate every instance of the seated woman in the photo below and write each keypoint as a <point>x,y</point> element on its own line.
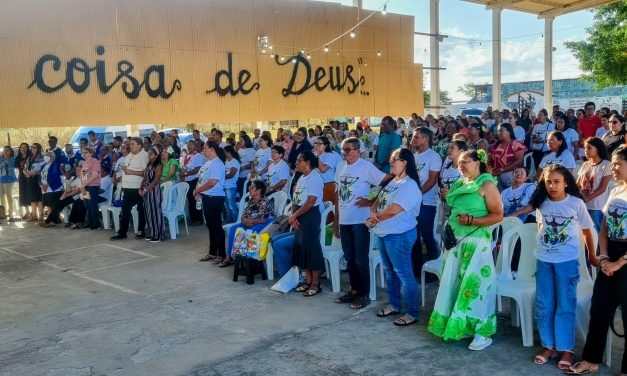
<point>278,172</point>
<point>51,187</point>
<point>256,216</point>
<point>171,166</point>
<point>516,198</point>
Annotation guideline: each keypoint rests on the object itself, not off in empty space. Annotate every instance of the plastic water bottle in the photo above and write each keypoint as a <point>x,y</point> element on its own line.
<point>198,205</point>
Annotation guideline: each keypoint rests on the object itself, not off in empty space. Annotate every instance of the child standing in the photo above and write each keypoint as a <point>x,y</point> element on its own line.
<point>562,219</point>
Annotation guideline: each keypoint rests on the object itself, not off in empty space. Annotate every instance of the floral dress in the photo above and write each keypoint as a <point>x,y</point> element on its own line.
<point>466,300</point>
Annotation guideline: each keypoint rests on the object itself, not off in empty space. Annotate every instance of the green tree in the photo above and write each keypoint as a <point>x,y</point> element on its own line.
<point>468,89</point>
<point>444,98</point>
<point>603,57</point>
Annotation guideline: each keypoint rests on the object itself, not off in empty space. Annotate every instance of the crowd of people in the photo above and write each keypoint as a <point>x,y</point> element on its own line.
<point>471,171</point>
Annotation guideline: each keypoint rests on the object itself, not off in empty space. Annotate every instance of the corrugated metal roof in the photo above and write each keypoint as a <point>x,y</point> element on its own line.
<point>543,8</point>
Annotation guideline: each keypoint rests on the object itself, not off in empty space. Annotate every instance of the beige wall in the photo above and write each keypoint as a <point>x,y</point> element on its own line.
<point>191,39</point>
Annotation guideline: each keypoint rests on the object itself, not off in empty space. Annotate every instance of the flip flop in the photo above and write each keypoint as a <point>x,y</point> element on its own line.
<point>565,364</point>
<point>573,370</point>
<point>225,263</point>
<point>405,321</point>
<point>387,311</point>
<point>541,359</point>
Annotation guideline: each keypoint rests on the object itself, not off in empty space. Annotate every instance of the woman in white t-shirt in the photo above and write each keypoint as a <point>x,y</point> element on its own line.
<point>279,171</point>
<point>558,154</point>
<point>539,136</point>
<point>594,177</point>
<point>562,220</point>
<point>516,198</point>
<point>393,219</point>
<point>263,158</point>
<point>246,154</point>
<point>327,163</point>
<point>305,220</point>
<point>210,190</point>
<point>610,285</point>
<point>231,168</point>
<point>571,135</point>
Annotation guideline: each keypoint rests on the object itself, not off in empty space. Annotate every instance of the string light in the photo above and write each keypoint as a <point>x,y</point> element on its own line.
<point>353,34</point>
<point>294,60</point>
<point>378,53</point>
<point>326,48</point>
<point>308,57</point>
<point>282,58</point>
<point>385,8</point>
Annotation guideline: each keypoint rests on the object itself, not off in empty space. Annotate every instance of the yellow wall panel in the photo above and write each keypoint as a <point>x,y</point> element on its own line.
<point>168,53</point>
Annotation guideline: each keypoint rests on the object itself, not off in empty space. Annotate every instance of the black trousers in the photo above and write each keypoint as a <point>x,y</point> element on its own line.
<point>130,198</point>
<point>609,292</point>
<point>212,207</point>
<point>53,216</point>
<point>51,199</point>
<point>194,214</point>
<point>356,246</point>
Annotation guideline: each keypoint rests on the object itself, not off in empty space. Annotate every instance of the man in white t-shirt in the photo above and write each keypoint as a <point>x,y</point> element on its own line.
<point>428,164</point>
<point>134,166</point>
<point>354,178</point>
<point>192,163</point>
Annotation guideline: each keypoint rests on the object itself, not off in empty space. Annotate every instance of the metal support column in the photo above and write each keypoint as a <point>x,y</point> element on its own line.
<point>548,63</point>
<point>496,58</point>
<point>434,58</point>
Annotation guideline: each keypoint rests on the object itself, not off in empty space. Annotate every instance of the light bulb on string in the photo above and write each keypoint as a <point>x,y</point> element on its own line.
<point>282,58</point>
<point>294,60</point>
<point>270,46</point>
<point>378,53</point>
<point>385,9</point>
<point>272,56</point>
<point>353,34</point>
<point>263,51</point>
<point>302,51</point>
<point>308,57</point>
<point>326,48</point>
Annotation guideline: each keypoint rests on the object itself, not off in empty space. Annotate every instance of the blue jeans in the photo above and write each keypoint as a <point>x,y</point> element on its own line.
<point>396,257</point>
<point>231,235</point>
<point>597,218</point>
<point>93,215</point>
<point>424,232</point>
<point>556,302</point>
<point>230,204</point>
<point>282,245</point>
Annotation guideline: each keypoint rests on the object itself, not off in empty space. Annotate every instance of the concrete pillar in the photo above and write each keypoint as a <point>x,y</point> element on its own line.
<point>496,58</point>
<point>434,58</point>
<point>548,63</point>
<point>358,4</point>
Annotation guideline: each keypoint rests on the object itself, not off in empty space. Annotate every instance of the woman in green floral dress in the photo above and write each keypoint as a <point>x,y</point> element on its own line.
<point>466,300</point>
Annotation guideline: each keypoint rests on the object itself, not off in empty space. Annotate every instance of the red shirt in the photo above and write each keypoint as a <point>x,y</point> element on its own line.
<point>588,127</point>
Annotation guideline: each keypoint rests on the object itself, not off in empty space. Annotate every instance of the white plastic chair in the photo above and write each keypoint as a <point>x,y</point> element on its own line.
<point>166,201</point>
<point>374,258</point>
<point>331,253</point>
<point>433,266</point>
<point>178,210</point>
<point>104,209</point>
<point>522,289</point>
<point>115,213</point>
<point>528,162</point>
<point>506,225</point>
<point>287,208</point>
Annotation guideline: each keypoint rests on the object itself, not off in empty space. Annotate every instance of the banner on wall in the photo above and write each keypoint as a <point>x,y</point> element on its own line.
<point>92,62</point>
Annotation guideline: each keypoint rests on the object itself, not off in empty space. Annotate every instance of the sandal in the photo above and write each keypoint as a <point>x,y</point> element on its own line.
<point>387,311</point>
<point>218,260</point>
<point>544,356</point>
<point>349,297</point>
<point>225,263</point>
<point>405,320</point>
<point>207,258</point>
<point>573,370</point>
<point>566,360</point>
<point>360,302</point>
<point>314,289</point>
<point>302,287</point>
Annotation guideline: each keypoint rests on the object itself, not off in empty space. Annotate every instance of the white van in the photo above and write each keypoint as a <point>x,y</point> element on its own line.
<point>106,134</point>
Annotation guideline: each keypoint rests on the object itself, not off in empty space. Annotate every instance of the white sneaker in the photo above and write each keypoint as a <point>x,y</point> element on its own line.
<point>480,343</point>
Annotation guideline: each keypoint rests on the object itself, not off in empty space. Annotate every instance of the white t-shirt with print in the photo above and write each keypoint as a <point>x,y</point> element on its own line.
<point>352,182</point>
<point>562,222</point>
<point>428,161</point>
<point>232,182</point>
<point>331,159</point>
<point>541,131</point>
<point>406,194</point>
<point>571,136</point>
<point>246,156</point>
<point>310,185</point>
<point>565,159</point>
<point>519,134</point>
<point>197,160</point>
<point>212,169</point>
<point>262,157</point>
<point>517,198</point>
<point>616,214</point>
<point>449,174</point>
<point>277,172</point>
<point>590,176</point>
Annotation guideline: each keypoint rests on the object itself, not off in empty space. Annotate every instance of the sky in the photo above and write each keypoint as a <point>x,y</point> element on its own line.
<point>465,60</point>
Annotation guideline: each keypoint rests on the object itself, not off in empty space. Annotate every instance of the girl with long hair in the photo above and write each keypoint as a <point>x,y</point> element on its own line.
<point>594,178</point>
<point>151,193</point>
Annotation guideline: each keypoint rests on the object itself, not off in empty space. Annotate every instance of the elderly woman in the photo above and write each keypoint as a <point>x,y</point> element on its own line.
<point>256,216</point>
<point>393,220</point>
<point>90,179</point>
<point>34,164</point>
<point>466,300</point>
<point>278,172</point>
<point>287,142</point>
<point>7,180</point>
<point>327,163</point>
<point>51,187</point>
<point>610,285</point>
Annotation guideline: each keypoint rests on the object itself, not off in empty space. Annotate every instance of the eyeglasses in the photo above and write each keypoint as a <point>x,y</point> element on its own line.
<point>392,160</point>
<point>615,122</point>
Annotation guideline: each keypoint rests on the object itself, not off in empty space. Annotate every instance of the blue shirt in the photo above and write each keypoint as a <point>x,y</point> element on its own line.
<point>7,170</point>
<point>388,142</point>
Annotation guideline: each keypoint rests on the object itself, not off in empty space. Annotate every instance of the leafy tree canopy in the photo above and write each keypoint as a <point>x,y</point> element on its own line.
<point>444,98</point>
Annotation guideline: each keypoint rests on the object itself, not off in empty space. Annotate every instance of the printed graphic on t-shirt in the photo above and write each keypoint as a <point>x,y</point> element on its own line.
<point>513,204</point>
<point>555,230</point>
<point>616,219</point>
<point>419,167</point>
<point>269,177</point>
<point>385,196</point>
<point>448,181</point>
<point>298,193</point>
<point>345,190</point>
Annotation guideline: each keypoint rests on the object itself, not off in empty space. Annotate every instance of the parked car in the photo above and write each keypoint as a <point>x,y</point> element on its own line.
<point>472,112</point>
<point>106,134</point>
<point>184,136</point>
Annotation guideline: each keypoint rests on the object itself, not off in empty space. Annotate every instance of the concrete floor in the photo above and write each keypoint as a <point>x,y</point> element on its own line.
<point>73,303</point>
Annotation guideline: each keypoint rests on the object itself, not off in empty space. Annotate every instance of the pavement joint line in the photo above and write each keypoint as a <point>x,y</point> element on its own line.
<point>68,271</point>
<point>96,245</point>
<point>120,264</point>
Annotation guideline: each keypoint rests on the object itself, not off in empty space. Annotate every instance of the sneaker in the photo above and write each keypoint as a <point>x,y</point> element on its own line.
<point>118,237</point>
<point>154,240</point>
<point>479,343</point>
